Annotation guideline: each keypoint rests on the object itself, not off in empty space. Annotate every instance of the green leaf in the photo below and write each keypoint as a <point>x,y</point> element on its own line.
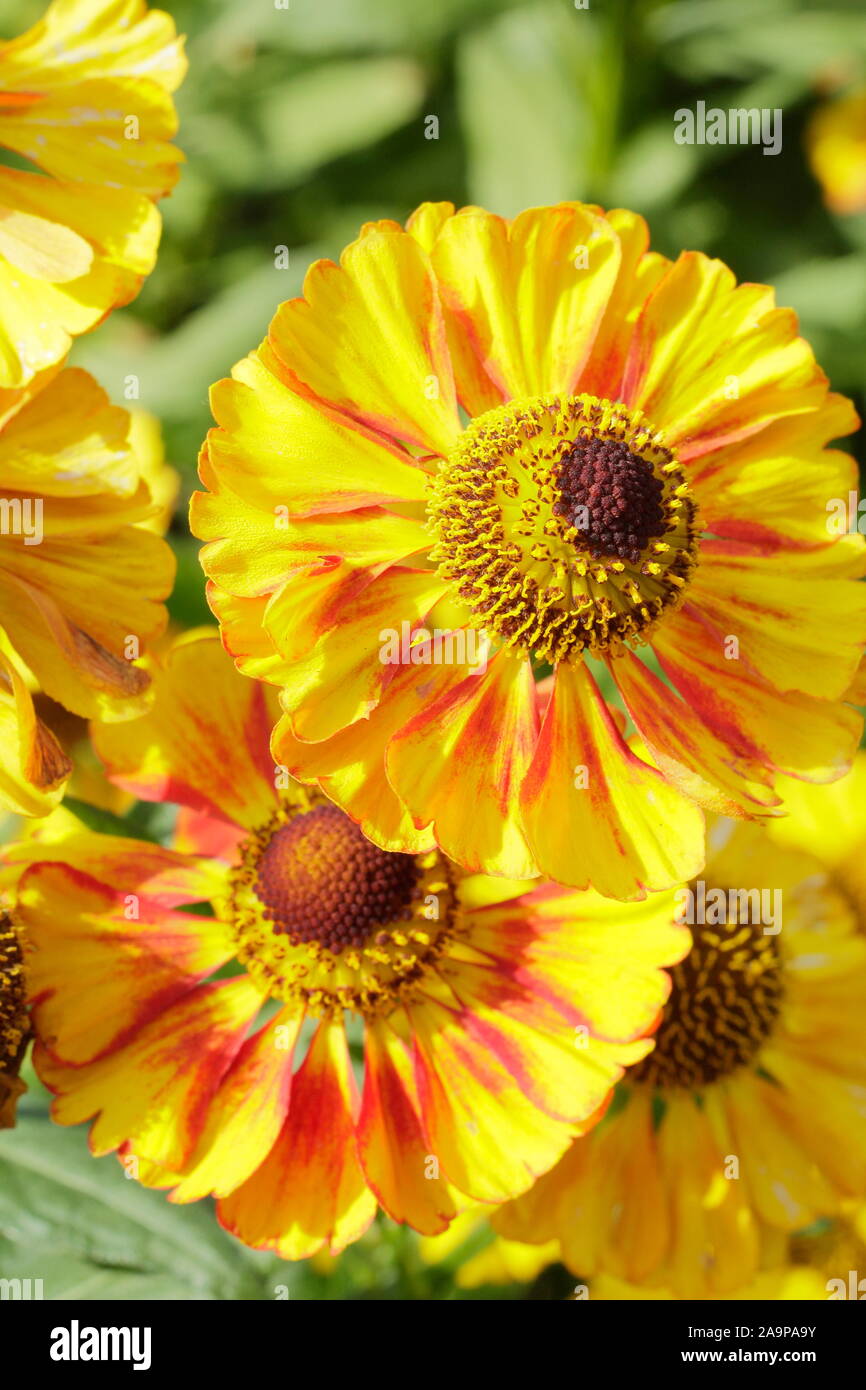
<point>828,292</point>
<point>55,1197</point>
<point>538,92</point>
<point>333,110</point>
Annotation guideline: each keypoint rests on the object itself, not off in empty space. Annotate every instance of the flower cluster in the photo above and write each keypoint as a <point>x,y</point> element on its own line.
<point>569,936</point>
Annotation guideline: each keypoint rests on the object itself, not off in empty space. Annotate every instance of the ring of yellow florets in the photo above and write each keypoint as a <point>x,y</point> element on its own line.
<point>327,921</point>
<point>725,999</point>
<point>565,524</point>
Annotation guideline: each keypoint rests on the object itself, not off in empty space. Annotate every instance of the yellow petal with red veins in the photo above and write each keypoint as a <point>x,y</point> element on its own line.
<point>257,550</point>
<point>639,272</point>
<point>780,619</point>
<point>210,754</point>
<point>368,338</point>
<point>491,1141</point>
<point>460,762</point>
<point>776,488</point>
<point>713,362</point>
<point>596,815</point>
<point>310,1192</point>
<point>350,767</point>
<point>246,1114</point>
<point>282,450</point>
<point>686,750</point>
<point>105,964</point>
<point>525,299</point>
<point>345,674</point>
<point>391,1144</point>
<point>794,733</point>
<point>554,954</point>
<point>83,134</point>
<point>155,1092</point>
<point>241,622</point>
<point>167,878</point>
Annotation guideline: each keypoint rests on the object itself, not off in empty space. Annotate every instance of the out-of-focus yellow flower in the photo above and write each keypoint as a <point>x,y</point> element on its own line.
<point>85,95</point>
<point>836,146</point>
<point>163,481</point>
<point>747,1118</point>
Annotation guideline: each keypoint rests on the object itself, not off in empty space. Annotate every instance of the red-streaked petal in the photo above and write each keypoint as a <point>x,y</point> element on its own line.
<point>460,761</point>
<point>310,1192</point>
<point>594,813</point>
<point>154,1094</point>
<point>391,1145</point>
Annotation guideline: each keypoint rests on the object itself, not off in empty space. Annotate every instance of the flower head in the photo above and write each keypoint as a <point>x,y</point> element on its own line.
<point>81,581</point>
<point>746,1120</point>
<point>220,1049</point>
<point>541,433</point>
<point>86,96</point>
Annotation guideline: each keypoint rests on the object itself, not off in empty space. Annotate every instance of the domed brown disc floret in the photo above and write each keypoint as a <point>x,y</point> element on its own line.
<point>565,524</point>
<point>326,920</point>
<point>321,880</point>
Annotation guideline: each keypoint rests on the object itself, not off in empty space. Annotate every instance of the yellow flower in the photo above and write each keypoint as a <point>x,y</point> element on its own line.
<point>836,145</point>
<point>85,95</point>
<point>490,1032</point>
<point>81,581</point>
<point>747,1119</point>
<point>474,446</point>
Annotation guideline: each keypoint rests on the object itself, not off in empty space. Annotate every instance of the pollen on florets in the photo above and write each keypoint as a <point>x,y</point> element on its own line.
<point>725,999</point>
<point>565,524</point>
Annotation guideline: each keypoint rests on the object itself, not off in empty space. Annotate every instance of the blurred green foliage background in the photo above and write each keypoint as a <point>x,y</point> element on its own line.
<point>299,124</point>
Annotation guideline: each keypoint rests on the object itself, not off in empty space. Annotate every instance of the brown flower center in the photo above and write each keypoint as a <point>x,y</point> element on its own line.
<point>725,999</point>
<point>319,879</point>
<point>611,497</point>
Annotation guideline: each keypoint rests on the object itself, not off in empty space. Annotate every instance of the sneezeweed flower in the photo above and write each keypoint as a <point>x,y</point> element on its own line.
<point>491,1031</point>
<point>836,145</point>
<point>86,96</point>
<point>614,466</point>
<point>747,1119</point>
<point>14,1020</point>
<point>81,580</point>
